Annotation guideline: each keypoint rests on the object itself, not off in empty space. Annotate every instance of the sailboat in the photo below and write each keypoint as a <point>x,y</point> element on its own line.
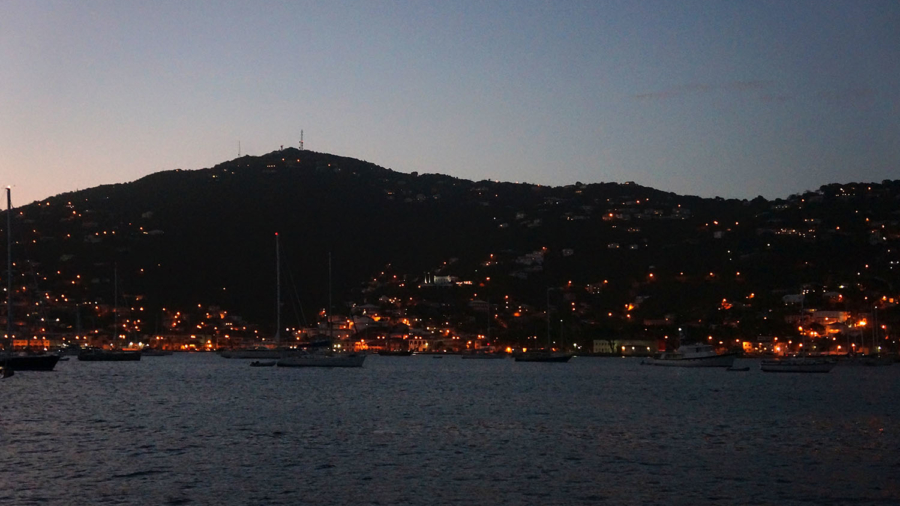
<point>485,355</point>
<point>548,354</point>
<point>101,355</point>
<point>262,352</point>
<point>316,357</point>
<point>18,361</point>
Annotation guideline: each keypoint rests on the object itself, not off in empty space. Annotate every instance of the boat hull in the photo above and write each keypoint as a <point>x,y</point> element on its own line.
<point>726,360</point>
<point>322,361</point>
<point>39,362</point>
<point>797,366</point>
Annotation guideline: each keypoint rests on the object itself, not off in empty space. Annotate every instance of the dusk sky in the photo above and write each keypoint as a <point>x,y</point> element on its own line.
<point>709,98</point>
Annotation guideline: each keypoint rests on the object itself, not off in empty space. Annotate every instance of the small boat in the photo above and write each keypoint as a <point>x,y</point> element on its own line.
<point>798,364</point>
<point>257,363</point>
<point>693,355</point>
<point>738,369</point>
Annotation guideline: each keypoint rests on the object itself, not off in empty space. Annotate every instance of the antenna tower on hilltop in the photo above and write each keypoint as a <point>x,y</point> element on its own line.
<point>301,140</point>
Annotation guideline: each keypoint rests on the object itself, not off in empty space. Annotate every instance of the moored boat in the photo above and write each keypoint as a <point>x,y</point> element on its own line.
<point>29,361</point>
<point>693,355</point>
<point>10,360</point>
<point>798,364</point>
<point>264,352</point>
<point>548,354</point>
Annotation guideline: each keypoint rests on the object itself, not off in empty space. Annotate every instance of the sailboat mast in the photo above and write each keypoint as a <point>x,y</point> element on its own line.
<point>330,328</point>
<point>115,301</point>
<point>549,343</point>
<point>9,274</point>
<point>874,328</point>
<point>490,315</point>
<point>277,292</point>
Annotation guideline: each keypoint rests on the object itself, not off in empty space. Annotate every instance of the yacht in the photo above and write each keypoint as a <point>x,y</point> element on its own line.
<point>693,355</point>
<point>28,361</point>
<point>101,355</point>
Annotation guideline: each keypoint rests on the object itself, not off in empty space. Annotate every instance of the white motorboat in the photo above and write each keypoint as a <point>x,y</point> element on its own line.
<point>693,355</point>
<point>798,364</point>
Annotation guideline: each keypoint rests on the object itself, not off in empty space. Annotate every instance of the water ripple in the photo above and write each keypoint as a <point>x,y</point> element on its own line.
<point>198,429</point>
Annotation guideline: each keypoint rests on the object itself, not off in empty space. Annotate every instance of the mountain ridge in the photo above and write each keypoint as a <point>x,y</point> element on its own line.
<point>204,238</point>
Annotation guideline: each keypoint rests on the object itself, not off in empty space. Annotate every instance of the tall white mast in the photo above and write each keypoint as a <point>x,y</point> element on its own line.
<point>9,274</point>
<point>116,301</point>
<point>330,308</point>
<point>277,292</point>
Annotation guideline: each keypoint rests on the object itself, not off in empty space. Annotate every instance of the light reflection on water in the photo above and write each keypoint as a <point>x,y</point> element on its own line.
<point>199,429</point>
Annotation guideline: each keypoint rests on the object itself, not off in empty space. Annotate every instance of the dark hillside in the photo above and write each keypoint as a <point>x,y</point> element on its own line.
<point>183,239</point>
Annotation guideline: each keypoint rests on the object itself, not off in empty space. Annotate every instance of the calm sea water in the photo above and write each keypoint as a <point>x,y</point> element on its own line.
<point>199,429</point>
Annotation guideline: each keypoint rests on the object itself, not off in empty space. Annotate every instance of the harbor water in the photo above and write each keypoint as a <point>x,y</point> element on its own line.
<point>200,429</point>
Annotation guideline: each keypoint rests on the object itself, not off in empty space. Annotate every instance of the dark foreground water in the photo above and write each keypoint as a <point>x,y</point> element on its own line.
<point>199,429</point>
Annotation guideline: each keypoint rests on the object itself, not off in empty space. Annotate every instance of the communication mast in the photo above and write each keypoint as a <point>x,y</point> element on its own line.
<point>301,140</point>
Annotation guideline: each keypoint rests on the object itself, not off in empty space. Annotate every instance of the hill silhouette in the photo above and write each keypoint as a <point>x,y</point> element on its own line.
<point>203,238</point>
